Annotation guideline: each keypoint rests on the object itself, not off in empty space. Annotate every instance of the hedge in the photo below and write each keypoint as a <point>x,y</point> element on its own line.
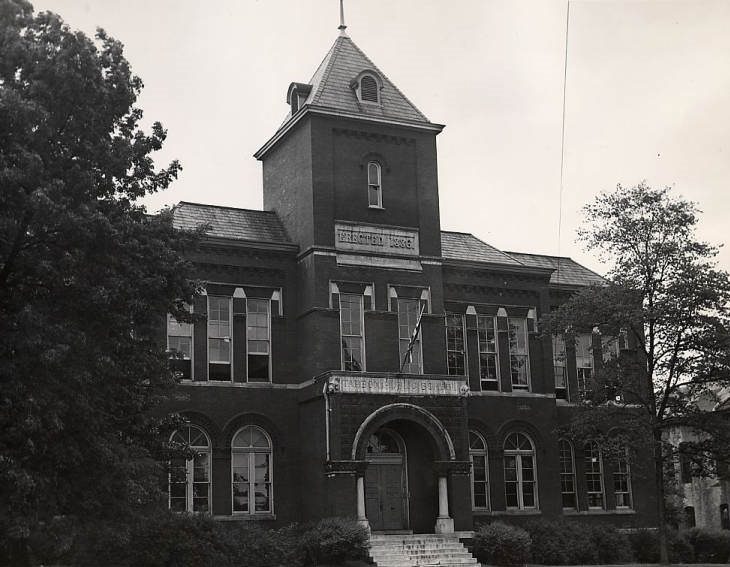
<point>501,544</point>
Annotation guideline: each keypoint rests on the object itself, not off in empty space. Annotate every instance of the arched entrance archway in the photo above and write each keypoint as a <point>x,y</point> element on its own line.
<point>404,486</point>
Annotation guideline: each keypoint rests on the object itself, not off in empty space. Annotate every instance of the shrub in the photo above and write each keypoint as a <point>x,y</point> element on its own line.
<point>710,546</point>
<point>500,544</point>
<point>333,540</point>
<point>645,546</point>
<point>611,546</point>
<point>559,542</point>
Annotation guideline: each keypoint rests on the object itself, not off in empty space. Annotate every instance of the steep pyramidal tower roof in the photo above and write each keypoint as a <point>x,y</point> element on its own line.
<point>333,86</point>
<point>348,84</point>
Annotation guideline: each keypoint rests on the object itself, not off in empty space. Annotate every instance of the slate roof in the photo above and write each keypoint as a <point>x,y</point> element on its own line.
<point>331,86</point>
<point>231,223</point>
<point>567,271</point>
<point>468,248</point>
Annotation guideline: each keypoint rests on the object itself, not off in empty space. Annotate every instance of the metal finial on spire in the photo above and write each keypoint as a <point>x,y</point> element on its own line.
<point>342,27</point>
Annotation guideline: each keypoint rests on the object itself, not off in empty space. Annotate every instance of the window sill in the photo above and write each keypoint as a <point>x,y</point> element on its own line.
<point>243,517</point>
<point>618,511</point>
<point>515,512</point>
<point>513,394</point>
<point>376,207</point>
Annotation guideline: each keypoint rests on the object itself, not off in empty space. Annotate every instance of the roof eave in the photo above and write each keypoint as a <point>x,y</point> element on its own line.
<point>323,111</point>
<point>250,243</point>
<point>496,266</point>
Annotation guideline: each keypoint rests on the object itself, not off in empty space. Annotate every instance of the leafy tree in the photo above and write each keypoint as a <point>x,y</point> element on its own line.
<point>86,277</point>
<point>667,299</point>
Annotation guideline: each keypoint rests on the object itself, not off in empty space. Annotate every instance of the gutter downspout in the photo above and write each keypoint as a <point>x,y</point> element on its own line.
<point>326,420</point>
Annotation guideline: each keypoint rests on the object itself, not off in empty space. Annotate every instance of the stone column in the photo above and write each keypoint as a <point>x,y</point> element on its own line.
<point>361,517</point>
<point>444,523</point>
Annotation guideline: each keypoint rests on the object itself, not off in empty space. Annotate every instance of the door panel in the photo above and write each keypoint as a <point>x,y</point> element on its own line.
<point>385,496</point>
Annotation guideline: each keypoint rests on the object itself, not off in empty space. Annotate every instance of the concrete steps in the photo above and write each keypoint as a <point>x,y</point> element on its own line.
<point>419,550</point>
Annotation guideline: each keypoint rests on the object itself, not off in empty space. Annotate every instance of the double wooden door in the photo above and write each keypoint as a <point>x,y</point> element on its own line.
<point>386,496</point>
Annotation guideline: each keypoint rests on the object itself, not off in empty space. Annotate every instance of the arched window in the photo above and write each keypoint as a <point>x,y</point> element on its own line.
<point>189,489</point>
<point>251,471</point>
<point>520,471</point>
<point>369,91</point>
<point>567,475</point>
<point>479,471</point>
<point>593,466</point>
<point>375,189</point>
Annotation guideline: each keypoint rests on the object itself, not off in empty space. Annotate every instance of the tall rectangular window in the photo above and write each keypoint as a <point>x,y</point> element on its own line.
<point>455,344</point>
<point>488,353</point>
<point>351,332</point>
<point>258,339</point>
<point>622,481</point>
<point>219,338</point>
<point>584,364</point>
<point>408,314</point>
<point>559,369</point>
<point>519,357</point>
<point>593,467</point>
<point>567,475</point>
<point>180,347</point>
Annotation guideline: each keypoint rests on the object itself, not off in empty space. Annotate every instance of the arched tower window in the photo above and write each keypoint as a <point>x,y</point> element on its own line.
<point>567,475</point>
<point>479,471</point>
<point>593,466</point>
<point>375,189</point>
<point>251,471</point>
<point>369,91</point>
<point>520,472</point>
<point>189,480</point>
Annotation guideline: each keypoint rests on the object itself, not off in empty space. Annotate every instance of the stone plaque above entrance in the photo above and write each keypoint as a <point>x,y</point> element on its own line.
<point>348,384</point>
<point>376,239</point>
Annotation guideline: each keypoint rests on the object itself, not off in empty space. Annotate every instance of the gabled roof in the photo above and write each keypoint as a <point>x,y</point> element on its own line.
<point>468,248</point>
<point>331,86</point>
<point>567,271</point>
<point>231,223</point>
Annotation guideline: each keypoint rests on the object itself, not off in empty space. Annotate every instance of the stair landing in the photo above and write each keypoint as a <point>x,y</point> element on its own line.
<point>419,550</point>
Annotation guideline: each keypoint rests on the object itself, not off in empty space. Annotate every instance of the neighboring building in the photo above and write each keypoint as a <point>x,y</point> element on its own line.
<point>312,389</point>
<point>704,500</point>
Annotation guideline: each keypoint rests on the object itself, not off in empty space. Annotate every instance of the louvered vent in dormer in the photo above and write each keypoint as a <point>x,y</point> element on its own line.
<point>368,89</point>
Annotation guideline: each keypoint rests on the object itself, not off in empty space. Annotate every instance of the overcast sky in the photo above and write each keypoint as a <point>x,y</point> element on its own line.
<point>648,98</point>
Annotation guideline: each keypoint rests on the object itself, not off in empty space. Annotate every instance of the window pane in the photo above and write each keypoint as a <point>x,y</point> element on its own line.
<point>240,497</point>
<point>258,368</point>
<point>262,497</point>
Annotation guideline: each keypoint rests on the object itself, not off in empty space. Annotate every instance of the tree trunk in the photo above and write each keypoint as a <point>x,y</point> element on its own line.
<point>659,479</point>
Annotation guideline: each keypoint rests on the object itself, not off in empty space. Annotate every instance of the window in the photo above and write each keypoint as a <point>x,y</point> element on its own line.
<point>609,348</point>
<point>622,481</point>
<point>369,91</point>
<point>455,345</point>
<point>488,357</point>
<point>180,347</point>
<point>593,466</point>
<point>351,332</point>
<point>584,364</point>
<point>479,471</point>
<point>189,480</point>
<point>294,102</point>
<point>258,339</point>
<point>685,463</point>
<point>251,471</point>
<point>519,358</point>
<point>409,314</point>
<point>519,472</point>
<point>375,189</point>
<point>567,475</point>
<point>559,369</point>
<point>219,338</point>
